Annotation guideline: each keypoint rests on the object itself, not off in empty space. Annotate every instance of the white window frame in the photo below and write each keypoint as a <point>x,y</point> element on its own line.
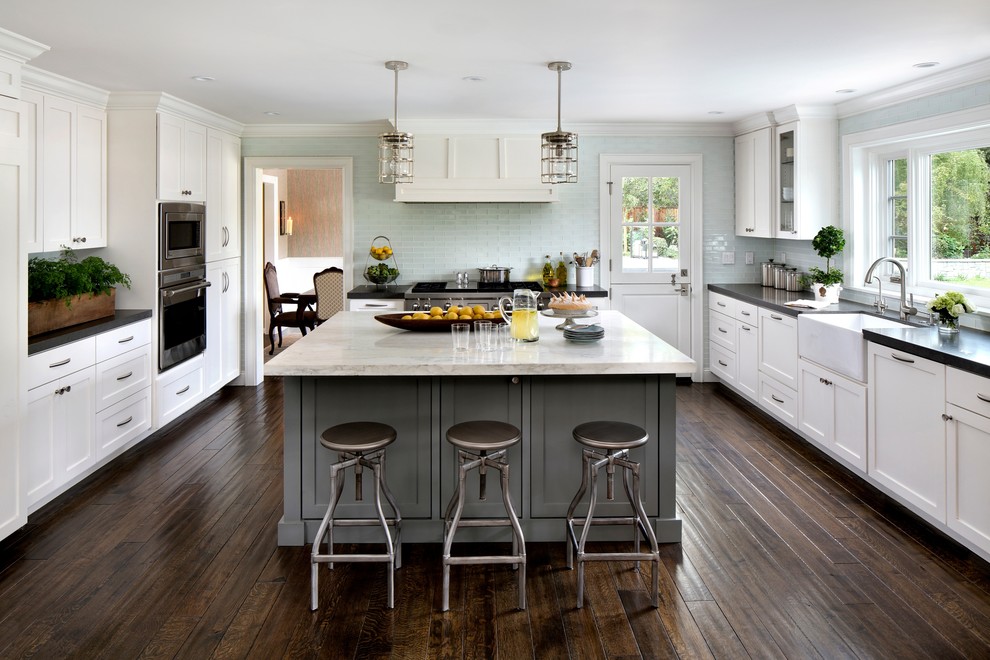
<point>865,156</point>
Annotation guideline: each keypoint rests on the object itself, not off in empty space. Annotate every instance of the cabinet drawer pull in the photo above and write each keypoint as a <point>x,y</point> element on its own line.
<point>60,364</point>
<point>776,318</point>
<point>776,399</point>
<point>983,397</point>
<point>126,421</point>
<point>183,390</point>
<point>745,313</point>
<point>723,363</point>
<point>125,376</point>
<point>901,359</point>
<point>125,340</point>
<point>720,304</point>
<point>723,330</point>
<point>745,327</point>
<point>370,305</point>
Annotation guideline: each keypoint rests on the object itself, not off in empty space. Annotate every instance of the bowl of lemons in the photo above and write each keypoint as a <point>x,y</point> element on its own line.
<point>438,319</point>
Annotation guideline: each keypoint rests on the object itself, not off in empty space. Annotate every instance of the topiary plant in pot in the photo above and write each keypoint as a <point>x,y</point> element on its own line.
<point>67,291</point>
<point>826,284</point>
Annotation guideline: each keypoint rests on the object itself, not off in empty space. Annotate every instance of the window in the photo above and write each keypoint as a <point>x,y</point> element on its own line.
<point>920,193</point>
<point>650,218</point>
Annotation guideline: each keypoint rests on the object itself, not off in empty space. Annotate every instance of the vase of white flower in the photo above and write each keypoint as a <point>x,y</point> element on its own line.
<point>946,310</point>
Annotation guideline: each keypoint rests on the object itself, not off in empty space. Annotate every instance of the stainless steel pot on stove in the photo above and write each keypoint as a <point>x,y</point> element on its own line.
<point>494,274</point>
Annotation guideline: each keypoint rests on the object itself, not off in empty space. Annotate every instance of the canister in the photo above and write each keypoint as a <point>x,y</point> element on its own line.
<point>793,279</point>
<point>780,277</point>
<point>769,268</point>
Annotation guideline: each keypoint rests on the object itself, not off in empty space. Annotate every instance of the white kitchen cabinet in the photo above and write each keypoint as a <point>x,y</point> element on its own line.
<point>968,456</point>
<point>377,305</point>
<point>733,345</point>
<point>223,208</point>
<point>832,413</point>
<point>60,441</point>
<point>223,323</point>
<point>180,388</point>
<point>906,431</point>
<point>122,423</point>
<point>748,354</point>
<point>806,171</point>
<point>778,346</point>
<point>70,178</point>
<point>181,159</point>
<point>779,400</point>
<point>754,183</point>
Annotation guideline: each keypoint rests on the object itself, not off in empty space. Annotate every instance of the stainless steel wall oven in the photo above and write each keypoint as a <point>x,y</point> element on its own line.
<point>181,315</point>
<point>182,235</point>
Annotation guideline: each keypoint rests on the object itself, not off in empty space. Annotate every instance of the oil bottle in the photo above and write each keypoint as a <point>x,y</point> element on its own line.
<point>547,271</point>
<point>561,273</point>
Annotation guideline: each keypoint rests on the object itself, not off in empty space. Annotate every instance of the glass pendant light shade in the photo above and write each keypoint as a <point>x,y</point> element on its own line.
<point>560,148</point>
<point>395,149</point>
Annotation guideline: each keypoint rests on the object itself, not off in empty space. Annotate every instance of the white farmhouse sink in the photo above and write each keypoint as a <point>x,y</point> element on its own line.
<point>836,341</point>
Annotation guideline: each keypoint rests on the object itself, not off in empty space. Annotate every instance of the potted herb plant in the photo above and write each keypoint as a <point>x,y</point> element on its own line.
<point>67,291</point>
<point>827,283</point>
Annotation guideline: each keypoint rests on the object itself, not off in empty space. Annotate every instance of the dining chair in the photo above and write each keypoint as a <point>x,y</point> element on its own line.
<point>302,317</point>
<point>329,287</point>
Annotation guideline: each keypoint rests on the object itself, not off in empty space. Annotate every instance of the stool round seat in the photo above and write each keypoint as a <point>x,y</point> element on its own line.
<point>610,435</point>
<point>358,437</point>
<point>483,435</point>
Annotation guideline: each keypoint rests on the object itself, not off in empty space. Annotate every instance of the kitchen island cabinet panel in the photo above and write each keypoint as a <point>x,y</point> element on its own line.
<point>558,405</point>
<point>476,398</point>
<point>405,404</point>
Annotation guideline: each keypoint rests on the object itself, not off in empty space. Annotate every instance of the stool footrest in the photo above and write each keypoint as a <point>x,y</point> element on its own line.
<point>485,559</point>
<point>484,522</point>
<point>364,522</point>
<point>367,559</point>
<point>608,521</point>
<point>616,556</point>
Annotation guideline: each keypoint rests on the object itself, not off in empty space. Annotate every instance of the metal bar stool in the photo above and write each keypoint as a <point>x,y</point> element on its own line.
<point>482,445</point>
<point>359,445</point>
<point>607,444</point>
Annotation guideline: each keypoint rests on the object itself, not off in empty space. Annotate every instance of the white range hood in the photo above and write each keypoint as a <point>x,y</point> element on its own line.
<point>476,168</point>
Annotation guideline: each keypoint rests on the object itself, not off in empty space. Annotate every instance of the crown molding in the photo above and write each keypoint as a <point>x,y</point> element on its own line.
<point>797,112</point>
<point>162,102</point>
<point>20,49</point>
<point>936,83</point>
<point>369,129</point>
<point>46,82</point>
<point>754,123</point>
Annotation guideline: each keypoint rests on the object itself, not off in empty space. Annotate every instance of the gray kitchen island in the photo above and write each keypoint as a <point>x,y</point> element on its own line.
<point>355,368</point>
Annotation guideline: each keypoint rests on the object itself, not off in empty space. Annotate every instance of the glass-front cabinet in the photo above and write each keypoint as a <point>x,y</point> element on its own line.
<point>805,171</point>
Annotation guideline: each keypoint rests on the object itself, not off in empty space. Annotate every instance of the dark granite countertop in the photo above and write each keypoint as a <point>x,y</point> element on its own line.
<point>56,338</point>
<point>587,291</point>
<point>969,350</point>
<point>371,292</point>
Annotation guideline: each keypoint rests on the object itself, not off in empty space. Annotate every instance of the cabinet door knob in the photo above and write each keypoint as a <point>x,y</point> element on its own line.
<point>515,380</point>
<point>946,418</point>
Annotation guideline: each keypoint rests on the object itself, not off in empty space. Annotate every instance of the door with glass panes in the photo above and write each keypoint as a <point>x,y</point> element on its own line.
<point>649,230</point>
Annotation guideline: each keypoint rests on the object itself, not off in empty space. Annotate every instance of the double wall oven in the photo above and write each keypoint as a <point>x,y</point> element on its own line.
<point>424,295</point>
<point>182,283</point>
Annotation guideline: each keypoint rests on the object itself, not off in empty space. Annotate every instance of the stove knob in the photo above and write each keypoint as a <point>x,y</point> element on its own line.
<point>447,304</point>
<point>415,305</point>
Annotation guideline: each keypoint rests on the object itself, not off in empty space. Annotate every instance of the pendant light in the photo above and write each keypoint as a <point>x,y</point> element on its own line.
<point>395,149</point>
<point>559,159</point>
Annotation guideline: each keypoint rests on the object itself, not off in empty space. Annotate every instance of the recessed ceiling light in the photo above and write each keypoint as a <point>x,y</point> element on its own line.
<point>473,78</point>
<point>716,112</point>
<point>924,65</point>
<point>203,78</point>
<point>844,91</point>
<point>272,113</point>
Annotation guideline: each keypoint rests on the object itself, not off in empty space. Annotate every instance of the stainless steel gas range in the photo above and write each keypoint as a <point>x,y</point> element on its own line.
<point>424,295</point>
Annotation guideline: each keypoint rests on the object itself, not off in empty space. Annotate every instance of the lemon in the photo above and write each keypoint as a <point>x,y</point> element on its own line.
<point>479,310</point>
<point>407,317</point>
<point>451,316</point>
<point>420,315</point>
<point>489,315</point>
<point>454,308</point>
<point>436,318</point>
<point>465,317</point>
<point>435,311</point>
<point>496,313</point>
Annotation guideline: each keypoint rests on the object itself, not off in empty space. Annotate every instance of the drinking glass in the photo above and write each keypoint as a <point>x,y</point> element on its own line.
<point>504,335</point>
<point>461,332</point>
<point>484,339</point>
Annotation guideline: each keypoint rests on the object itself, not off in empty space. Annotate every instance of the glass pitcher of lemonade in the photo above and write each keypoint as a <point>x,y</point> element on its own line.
<point>522,318</point>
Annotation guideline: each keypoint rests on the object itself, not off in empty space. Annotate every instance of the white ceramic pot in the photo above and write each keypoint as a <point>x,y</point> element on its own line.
<point>829,293</point>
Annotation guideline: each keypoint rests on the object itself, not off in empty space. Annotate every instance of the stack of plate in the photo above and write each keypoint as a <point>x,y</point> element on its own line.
<point>584,334</point>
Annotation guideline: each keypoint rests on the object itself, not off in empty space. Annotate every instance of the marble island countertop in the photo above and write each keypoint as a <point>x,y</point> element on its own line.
<point>355,344</point>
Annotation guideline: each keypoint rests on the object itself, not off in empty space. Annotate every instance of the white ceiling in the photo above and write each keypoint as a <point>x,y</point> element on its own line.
<point>322,62</point>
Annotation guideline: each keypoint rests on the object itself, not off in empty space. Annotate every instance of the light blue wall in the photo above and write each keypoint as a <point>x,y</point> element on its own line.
<point>434,240</point>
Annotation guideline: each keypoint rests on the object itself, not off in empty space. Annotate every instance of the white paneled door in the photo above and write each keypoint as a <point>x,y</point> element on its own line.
<point>651,225</point>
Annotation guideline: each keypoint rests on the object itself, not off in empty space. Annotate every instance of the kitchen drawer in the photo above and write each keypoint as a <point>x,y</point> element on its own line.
<point>968,391</point>
<point>779,400</point>
<point>722,304</point>
<point>122,376</point>
<point>376,305</point>
<point>119,424</point>
<point>120,340</point>
<point>53,364</point>
<point>722,330</point>
<point>722,363</point>
<point>747,312</point>
<point>178,395</point>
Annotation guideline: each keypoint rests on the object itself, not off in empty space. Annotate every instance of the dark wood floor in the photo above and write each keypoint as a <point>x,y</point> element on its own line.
<point>171,552</point>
